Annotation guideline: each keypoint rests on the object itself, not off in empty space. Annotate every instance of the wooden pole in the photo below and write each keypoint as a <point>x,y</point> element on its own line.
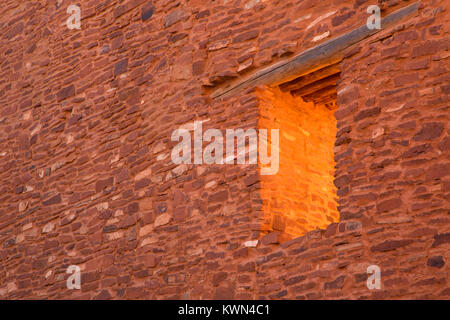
<point>325,54</point>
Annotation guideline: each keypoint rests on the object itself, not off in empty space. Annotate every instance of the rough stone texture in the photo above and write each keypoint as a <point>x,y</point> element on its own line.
<point>83,112</point>
<point>302,196</point>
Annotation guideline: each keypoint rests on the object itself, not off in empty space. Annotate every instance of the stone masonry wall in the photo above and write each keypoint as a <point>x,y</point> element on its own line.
<point>86,177</point>
<point>302,196</point>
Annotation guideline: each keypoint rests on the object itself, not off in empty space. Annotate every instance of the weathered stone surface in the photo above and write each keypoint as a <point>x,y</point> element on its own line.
<point>86,169</point>
<point>436,262</point>
<point>390,245</point>
<point>270,238</point>
<point>251,244</point>
<point>147,11</point>
<point>336,284</point>
<point>23,206</point>
<point>53,200</point>
<point>66,92</point>
<point>120,67</point>
<point>146,230</point>
<point>175,16</point>
<point>389,205</point>
<point>224,293</point>
<point>249,35</point>
<point>440,239</point>
<point>162,220</point>
<point>14,31</point>
<point>430,131</point>
<point>48,227</point>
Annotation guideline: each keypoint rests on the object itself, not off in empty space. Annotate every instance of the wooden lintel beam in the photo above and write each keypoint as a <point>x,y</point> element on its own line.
<point>323,93</point>
<point>325,54</point>
<point>316,86</point>
<point>306,80</point>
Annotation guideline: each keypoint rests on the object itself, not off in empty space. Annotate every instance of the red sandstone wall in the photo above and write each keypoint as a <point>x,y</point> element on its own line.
<point>85,124</point>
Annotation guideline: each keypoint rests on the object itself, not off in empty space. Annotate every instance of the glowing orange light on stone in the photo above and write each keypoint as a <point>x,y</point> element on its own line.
<point>302,196</point>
